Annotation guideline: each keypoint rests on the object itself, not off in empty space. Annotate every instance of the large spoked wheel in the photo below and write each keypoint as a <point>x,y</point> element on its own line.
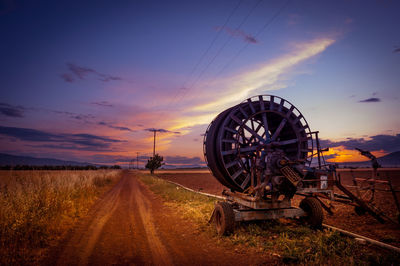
<point>210,139</point>
<point>314,212</point>
<point>238,135</point>
<point>224,218</point>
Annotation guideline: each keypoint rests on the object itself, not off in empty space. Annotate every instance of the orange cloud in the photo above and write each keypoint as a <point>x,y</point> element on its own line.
<point>341,154</point>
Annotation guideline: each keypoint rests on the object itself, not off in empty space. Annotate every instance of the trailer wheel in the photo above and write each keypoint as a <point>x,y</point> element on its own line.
<point>224,218</point>
<point>314,212</point>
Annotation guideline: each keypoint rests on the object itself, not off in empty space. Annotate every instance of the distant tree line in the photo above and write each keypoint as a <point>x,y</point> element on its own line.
<point>57,167</point>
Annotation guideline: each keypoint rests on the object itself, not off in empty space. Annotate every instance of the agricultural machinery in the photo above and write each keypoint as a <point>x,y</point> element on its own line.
<point>261,150</point>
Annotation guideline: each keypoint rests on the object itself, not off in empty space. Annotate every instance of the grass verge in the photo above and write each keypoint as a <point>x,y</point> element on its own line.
<point>38,207</point>
<point>284,240</point>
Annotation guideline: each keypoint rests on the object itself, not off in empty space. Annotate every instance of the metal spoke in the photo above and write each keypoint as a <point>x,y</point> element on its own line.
<point>252,125</point>
<point>253,110</point>
<point>245,182</point>
<point>297,119</point>
<point>290,112</point>
<point>231,130</point>
<point>247,149</point>
<point>243,112</point>
<point>257,129</point>
<point>281,105</point>
<point>236,174</point>
<point>278,130</point>
<point>264,118</point>
<point>271,103</point>
<point>229,152</point>
<point>237,120</point>
<point>287,142</point>
<point>229,165</point>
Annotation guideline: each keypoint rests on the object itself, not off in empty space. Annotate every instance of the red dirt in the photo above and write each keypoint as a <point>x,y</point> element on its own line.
<point>130,225</point>
<point>344,216</point>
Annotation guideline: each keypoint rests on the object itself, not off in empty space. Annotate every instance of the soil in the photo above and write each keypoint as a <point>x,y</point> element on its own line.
<point>130,225</point>
<point>344,216</point>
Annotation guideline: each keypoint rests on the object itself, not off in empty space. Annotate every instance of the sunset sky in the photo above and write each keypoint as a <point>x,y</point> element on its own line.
<point>88,80</point>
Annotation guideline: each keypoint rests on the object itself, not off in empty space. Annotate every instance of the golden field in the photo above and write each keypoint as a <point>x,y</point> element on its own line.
<point>38,207</point>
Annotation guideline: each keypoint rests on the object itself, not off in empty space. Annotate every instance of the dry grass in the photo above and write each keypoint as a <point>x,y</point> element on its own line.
<point>287,241</point>
<point>38,207</point>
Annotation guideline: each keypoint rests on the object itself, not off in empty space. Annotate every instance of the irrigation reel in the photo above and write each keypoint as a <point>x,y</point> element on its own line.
<point>261,149</point>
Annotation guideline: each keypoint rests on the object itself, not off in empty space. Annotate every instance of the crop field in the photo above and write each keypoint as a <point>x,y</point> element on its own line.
<point>38,207</point>
<point>344,216</point>
<point>130,217</point>
<point>284,240</point>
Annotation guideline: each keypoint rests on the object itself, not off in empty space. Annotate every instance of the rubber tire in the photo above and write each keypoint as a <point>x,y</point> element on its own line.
<point>359,210</point>
<point>224,218</point>
<point>313,208</point>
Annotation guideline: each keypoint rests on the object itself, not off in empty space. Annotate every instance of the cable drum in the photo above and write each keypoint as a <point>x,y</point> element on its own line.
<point>239,134</point>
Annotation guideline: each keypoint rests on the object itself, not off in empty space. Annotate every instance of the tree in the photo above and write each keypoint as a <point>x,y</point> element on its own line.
<point>154,163</point>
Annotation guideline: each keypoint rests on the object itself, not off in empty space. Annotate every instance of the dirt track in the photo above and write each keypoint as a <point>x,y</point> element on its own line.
<point>130,225</point>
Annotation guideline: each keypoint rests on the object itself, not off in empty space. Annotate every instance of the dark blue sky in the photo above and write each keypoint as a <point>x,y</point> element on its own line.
<point>114,68</point>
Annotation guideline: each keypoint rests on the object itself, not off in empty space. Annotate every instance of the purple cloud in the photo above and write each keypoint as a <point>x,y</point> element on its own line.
<point>11,110</point>
<point>79,72</point>
<point>84,117</point>
<point>103,104</point>
<point>67,77</point>
<point>370,100</point>
<point>60,140</point>
<point>238,33</point>
<point>102,123</point>
<point>161,130</point>
<point>388,143</point>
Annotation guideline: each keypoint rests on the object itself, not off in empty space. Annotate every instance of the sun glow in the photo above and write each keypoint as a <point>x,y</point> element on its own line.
<point>341,154</point>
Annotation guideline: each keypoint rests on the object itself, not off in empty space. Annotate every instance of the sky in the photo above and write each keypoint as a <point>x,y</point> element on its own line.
<point>89,80</point>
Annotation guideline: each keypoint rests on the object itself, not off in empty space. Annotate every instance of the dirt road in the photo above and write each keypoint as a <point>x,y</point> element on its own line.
<point>131,226</point>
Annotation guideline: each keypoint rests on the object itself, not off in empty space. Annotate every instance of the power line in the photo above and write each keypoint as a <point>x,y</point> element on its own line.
<point>220,50</point>
<point>208,49</point>
<point>213,41</point>
<point>226,43</point>
<point>255,36</point>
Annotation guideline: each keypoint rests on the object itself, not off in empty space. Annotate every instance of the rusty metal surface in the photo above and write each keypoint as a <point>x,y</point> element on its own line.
<point>250,215</point>
<point>253,203</point>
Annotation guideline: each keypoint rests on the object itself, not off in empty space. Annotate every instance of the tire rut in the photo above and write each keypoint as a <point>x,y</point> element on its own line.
<point>119,229</point>
<point>131,226</point>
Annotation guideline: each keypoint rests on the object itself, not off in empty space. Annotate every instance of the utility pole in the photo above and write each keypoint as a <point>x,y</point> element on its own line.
<point>137,160</point>
<point>154,146</point>
<point>154,141</point>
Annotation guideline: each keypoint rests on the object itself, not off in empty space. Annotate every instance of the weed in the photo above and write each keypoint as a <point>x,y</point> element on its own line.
<point>37,207</point>
<point>289,240</point>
